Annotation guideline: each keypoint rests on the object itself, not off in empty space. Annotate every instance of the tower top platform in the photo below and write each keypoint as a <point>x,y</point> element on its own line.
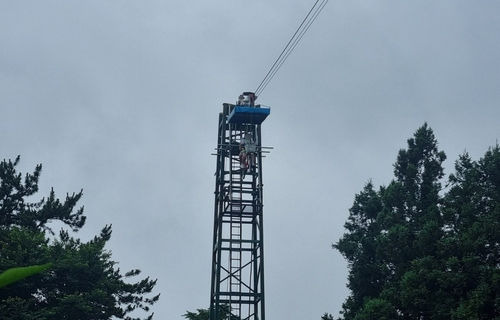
<point>248,114</point>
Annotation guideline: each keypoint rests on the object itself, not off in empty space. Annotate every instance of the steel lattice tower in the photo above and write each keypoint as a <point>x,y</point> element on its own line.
<point>237,283</point>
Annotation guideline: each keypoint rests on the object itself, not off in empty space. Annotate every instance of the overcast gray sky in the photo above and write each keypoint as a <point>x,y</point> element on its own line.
<point>121,98</point>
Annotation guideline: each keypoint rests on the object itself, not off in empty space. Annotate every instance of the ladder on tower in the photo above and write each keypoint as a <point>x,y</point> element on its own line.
<point>236,208</point>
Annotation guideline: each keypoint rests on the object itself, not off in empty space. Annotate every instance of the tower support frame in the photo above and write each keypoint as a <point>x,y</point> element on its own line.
<point>237,277</point>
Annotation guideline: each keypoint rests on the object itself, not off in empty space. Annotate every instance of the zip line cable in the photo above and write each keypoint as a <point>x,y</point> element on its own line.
<point>289,50</point>
<point>284,49</point>
<point>292,43</point>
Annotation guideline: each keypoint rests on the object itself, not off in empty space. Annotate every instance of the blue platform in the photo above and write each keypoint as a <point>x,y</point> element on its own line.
<point>248,115</point>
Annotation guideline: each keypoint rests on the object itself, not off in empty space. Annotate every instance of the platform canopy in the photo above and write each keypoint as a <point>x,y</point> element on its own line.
<point>248,115</point>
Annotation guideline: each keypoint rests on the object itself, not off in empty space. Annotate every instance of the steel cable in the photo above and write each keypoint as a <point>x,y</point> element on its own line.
<point>292,43</point>
<point>292,47</point>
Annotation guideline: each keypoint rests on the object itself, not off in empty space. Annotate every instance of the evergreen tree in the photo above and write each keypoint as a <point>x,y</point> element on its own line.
<point>472,217</point>
<point>82,282</point>
<point>326,316</point>
<point>204,314</point>
<point>417,252</point>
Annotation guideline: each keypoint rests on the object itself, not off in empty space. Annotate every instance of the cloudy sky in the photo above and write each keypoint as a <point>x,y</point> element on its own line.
<point>121,98</point>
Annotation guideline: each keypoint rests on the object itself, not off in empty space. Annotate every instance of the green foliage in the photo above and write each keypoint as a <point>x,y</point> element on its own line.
<point>14,211</point>
<point>418,251</point>
<point>83,282</point>
<point>326,316</point>
<point>200,314</point>
<point>15,274</point>
<point>204,314</point>
<point>376,309</point>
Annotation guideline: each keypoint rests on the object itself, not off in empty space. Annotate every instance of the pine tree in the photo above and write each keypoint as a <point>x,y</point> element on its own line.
<point>83,282</point>
<point>204,314</point>
<point>418,252</point>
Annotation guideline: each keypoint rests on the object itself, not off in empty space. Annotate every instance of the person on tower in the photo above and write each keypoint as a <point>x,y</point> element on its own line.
<point>243,159</point>
<point>240,100</point>
<point>246,99</point>
<point>250,150</point>
<point>251,98</point>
